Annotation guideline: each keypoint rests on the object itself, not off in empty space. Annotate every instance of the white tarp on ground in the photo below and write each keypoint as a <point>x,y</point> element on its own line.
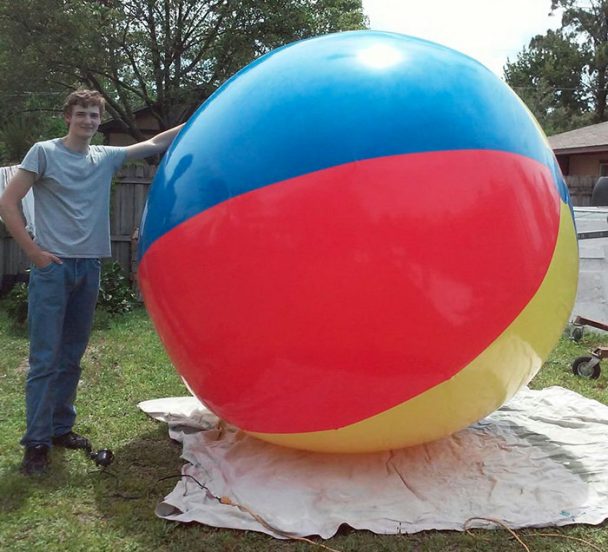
<point>541,460</point>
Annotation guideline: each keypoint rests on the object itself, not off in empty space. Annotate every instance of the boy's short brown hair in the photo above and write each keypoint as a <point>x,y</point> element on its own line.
<point>84,98</point>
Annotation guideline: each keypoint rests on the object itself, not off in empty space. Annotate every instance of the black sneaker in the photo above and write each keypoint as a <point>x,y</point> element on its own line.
<point>35,460</point>
<point>72,440</point>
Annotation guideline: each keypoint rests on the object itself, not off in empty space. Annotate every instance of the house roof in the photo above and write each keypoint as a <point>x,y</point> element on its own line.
<point>582,140</point>
<point>112,125</point>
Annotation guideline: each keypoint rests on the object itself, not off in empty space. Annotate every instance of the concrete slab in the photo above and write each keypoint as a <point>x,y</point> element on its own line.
<point>592,295</point>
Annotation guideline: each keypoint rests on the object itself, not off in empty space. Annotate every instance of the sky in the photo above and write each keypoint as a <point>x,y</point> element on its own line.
<point>488,30</point>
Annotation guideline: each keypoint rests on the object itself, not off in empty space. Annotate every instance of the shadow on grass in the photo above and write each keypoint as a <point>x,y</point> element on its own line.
<point>16,331</point>
<point>128,492</point>
<point>16,488</point>
<point>128,498</point>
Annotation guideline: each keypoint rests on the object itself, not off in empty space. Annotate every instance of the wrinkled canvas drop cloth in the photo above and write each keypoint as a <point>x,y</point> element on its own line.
<point>541,460</point>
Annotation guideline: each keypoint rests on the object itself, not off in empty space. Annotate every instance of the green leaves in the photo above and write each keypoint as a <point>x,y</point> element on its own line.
<point>115,293</point>
<point>562,75</point>
<point>167,55</point>
<point>15,303</point>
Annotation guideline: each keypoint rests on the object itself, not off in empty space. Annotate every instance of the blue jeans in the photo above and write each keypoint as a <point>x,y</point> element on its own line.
<point>61,305</point>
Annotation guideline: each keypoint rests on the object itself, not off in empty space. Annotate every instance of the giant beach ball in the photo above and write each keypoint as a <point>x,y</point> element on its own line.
<point>360,242</point>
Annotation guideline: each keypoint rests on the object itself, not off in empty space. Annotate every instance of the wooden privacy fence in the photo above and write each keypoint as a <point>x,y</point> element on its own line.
<point>129,193</point>
<point>580,188</point>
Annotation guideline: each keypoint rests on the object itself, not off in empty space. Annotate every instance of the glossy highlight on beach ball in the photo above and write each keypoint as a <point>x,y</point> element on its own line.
<point>360,242</point>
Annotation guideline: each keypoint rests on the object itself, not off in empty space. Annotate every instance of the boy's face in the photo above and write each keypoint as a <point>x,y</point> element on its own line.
<point>83,122</point>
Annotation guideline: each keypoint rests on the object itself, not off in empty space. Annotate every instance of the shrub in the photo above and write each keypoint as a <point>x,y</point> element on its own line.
<point>16,305</point>
<point>115,293</point>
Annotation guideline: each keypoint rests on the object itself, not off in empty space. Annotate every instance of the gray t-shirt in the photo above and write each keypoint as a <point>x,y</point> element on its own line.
<point>72,197</point>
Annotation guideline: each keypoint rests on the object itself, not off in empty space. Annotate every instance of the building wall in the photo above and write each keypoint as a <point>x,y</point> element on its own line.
<point>587,164</point>
<point>121,139</point>
<point>145,122</point>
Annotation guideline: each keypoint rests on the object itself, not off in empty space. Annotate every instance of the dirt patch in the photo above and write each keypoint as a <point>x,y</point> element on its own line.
<point>23,367</point>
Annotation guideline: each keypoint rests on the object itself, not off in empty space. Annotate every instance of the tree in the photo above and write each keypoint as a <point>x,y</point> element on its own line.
<point>29,108</point>
<point>562,75</point>
<point>160,54</point>
<point>588,21</point>
<point>548,76</point>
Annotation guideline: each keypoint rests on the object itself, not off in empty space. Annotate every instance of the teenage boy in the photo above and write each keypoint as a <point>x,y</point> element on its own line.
<point>71,183</point>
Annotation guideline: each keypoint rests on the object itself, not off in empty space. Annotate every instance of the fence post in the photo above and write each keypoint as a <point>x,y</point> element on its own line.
<point>580,188</point>
<point>129,197</point>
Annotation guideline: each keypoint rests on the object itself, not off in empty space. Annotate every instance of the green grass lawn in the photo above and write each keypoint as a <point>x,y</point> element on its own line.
<point>77,507</point>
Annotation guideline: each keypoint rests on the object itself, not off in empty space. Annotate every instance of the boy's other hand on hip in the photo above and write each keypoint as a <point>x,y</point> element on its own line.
<point>43,259</point>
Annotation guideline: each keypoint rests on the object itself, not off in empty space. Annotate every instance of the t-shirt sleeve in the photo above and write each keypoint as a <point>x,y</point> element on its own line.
<point>117,155</point>
<point>34,160</point>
